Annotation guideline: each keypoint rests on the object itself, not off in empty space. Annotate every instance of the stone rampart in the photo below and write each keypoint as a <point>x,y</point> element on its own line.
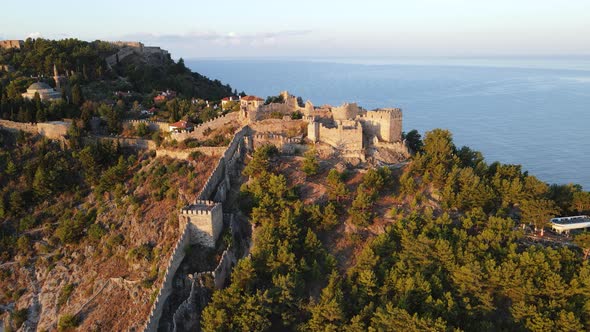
<point>198,131</point>
<point>188,313</point>
<point>134,143</point>
<point>342,137</point>
<point>214,179</point>
<point>286,145</point>
<point>205,220</point>
<point>399,147</point>
<point>212,151</point>
<point>152,125</point>
<point>346,111</point>
<point>282,108</point>
<point>202,223</point>
<point>385,124</point>
<point>222,272</point>
<point>187,316</point>
<point>178,253</point>
<point>221,172</point>
<point>56,130</point>
<point>13,126</point>
<point>121,54</point>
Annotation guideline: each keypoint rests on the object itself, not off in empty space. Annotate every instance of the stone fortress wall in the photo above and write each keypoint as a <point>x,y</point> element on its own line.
<point>286,108</point>
<point>211,151</point>
<point>178,253</point>
<point>199,130</point>
<point>128,48</point>
<point>347,135</point>
<point>6,44</point>
<point>152,125</point>
<point>347,128</point>
<point>385,124</point>
<point>202,223</point>
<point>346,111</point>
<point>56,130</point>
<point>186,315</point>
<point>287,145</point>
<point>205,220</point>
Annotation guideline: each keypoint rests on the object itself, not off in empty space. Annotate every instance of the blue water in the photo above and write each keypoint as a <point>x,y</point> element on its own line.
<point>538,117</point>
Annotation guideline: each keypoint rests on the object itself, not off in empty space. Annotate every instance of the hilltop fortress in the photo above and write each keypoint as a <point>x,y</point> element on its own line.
<point>149,54</point>
<point>348,129</point>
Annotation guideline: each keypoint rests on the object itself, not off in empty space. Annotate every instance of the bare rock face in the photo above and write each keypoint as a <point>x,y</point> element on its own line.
<point>385,156</point>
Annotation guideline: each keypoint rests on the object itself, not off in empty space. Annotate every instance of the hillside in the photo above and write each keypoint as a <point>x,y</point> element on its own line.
<point>444,244</point>
<point>85,231</point>
<point>88,72</point>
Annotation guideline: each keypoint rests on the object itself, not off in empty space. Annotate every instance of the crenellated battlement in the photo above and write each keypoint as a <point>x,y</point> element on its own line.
<point>201,207</point>
<point>383,113</point>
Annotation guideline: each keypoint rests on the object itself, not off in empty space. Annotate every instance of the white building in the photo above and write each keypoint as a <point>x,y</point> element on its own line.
<point>567,224</point>
<point>45,92</point>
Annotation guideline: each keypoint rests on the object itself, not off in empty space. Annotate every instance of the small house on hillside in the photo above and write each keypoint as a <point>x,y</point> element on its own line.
<point>181,126</point>
<point>252,102</point>
<point>227,100</point>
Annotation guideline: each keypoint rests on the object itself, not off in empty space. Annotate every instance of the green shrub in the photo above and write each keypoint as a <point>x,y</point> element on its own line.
<point>67,322</point>
<point>64,294</point>
<point>19,317</point>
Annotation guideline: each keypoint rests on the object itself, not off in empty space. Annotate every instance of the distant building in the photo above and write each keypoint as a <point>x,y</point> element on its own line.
<point>6,44</point>
<point>567,224</point>
<point>225,101</point>
<point>251,101</point>
<point>159,99</point>
<point>249,106</point>
<point>164,96</point>
<point>181,126</point>
<point>44,90</point>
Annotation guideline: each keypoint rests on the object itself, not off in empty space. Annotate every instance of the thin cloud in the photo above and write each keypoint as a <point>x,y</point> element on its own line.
<point>34,35</point>
<point>229,38</point>
<point>214,43</point>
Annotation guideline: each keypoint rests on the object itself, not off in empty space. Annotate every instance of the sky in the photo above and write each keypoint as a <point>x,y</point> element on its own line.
<point>314,28</point>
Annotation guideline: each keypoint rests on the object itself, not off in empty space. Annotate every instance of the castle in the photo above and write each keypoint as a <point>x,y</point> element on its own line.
<point>150,54</point>
<point>347,128</point>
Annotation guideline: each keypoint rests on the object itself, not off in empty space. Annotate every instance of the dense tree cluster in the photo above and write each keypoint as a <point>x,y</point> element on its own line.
<point>34,173</point>
<point>459,264</point>
<point>89,77</point>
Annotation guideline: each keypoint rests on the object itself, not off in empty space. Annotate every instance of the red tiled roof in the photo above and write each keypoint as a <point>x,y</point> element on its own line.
<point>252,98</point>
<point>181,124</point>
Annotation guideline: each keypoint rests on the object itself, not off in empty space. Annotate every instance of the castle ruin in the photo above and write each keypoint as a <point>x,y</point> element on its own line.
<point>151,54</point>
<point>205,220</point>
<point>348,128</point>
<point>8,44</point>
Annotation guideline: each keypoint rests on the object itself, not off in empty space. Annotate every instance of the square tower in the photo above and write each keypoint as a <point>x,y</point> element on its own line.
<point>205,222</point>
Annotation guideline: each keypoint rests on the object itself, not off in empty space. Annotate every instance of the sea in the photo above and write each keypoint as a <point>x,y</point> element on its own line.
<point>531,111</point>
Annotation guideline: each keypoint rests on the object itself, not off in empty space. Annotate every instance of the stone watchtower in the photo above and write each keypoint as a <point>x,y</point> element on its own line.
<point>205,222</point>
<point>384,123</point>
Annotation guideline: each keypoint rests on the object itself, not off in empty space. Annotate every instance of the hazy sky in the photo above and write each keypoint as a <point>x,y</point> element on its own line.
<point>314,28</point>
